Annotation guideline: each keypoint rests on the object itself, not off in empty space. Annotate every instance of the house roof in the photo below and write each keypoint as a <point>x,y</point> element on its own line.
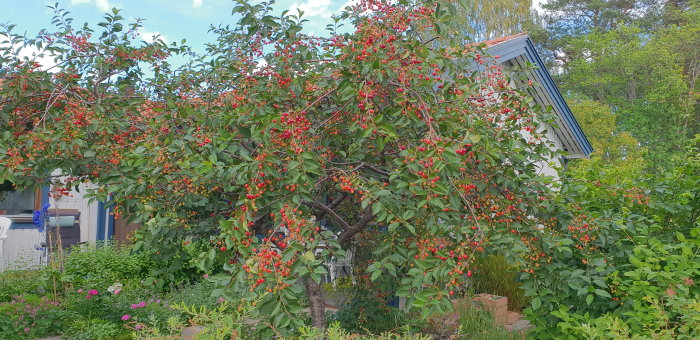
<point>518,50</point>
<point>497,41</point>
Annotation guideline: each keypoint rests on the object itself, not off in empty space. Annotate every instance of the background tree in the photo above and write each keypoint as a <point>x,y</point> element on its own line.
<point>483,20</point>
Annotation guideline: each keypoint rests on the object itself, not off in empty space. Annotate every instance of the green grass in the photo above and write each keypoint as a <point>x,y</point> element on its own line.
<point>495,276</point>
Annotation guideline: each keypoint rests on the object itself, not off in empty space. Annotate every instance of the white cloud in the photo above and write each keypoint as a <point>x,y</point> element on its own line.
<point>351,3</point>
<point>150,36</point>
<point>537,5</point>
<point>44,58</point>
<point>313,8</point>
<point>197,3</point>
<point>102,5</point>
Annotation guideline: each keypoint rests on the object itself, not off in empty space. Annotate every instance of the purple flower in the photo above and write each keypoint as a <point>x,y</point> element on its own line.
<point>40,216</point>
<point>37,218</point>
<point>126,317</point>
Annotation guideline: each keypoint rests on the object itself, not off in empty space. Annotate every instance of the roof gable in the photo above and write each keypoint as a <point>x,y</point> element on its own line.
<point>519,49</point>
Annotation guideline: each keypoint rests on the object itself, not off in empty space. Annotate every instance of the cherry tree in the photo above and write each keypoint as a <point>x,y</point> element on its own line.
<point>277,151</point>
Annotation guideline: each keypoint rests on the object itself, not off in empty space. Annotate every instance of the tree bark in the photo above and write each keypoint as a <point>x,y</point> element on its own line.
<point>317,305</point>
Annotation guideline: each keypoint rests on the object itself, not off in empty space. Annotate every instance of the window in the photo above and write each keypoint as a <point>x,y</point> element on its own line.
<point>14,202</point>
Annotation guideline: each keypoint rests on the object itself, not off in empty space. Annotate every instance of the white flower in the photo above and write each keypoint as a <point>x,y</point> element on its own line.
<point>115,288</point>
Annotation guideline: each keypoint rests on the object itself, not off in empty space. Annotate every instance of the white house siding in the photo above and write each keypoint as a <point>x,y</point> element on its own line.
<point>88,211</point>
<point>18,249</point>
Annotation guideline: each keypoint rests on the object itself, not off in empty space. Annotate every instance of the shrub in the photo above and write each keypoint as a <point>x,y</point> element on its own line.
<point>104,264</point>
<point>96,329</point>
<point>196,294</point>
<point>18,282</point>
<point>31,316</point>
<point>658,295</point>
<point>367,313</point>
<point>335,332</point>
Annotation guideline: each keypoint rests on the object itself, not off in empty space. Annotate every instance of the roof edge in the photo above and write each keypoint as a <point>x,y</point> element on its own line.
<point>521,44</point>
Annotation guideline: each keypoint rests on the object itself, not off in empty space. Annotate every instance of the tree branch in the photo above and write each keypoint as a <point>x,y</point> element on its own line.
<point>347,234</point>
<point>330,212</point>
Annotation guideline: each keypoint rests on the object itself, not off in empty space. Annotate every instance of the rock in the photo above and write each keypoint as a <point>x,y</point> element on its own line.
<point>513,317</point>
<point>498,305</point>
<point>518,326</point>
<point>191,332</point>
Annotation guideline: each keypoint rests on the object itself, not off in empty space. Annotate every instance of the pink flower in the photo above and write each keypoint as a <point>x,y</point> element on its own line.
<point>117,291</point>
<point>93,292</point>
<point>26,329</point>
<point>126,317</point>
<point>138,305</point>
<point>88,296</point>
<point>137,327</point>
<point>206,276</point>
<point>80,290</point>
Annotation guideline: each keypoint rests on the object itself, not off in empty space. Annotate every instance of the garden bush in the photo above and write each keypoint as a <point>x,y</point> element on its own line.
<point>104,264</point>
<point>658,293</point>
<point>367,313</point>
<point>18,282</point>
<point>31,316</point>
<point>336,332</point>
<point>96,329</point>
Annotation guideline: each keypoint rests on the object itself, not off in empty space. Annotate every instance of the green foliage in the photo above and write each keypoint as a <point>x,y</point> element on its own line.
<point>483,20</point>
<point>366,313</point>
<point>369,136</point>
<point>196,294</point>
<point>104,264</point>
<point>372,141</point>
<point>18,282</point>
<point>336,332</point>
<point>658,292</point>
<point>96,329</point>
<point>478,324</point>
<point>648,232</point>
<point>493,275</point>
<point>30,316</point>
<point>225,321</point>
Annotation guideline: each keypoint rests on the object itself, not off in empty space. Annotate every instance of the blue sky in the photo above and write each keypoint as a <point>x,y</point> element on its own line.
<point>173,19</point>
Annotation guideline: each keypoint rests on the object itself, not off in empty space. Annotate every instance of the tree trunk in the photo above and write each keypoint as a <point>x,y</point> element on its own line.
<point>317,306</point>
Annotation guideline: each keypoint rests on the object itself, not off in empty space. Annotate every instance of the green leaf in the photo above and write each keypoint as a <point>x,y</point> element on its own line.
<point>602,293</point>
<point>376,275</point>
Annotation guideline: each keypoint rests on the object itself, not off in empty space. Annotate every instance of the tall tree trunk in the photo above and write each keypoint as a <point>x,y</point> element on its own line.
<point>317,306</point>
